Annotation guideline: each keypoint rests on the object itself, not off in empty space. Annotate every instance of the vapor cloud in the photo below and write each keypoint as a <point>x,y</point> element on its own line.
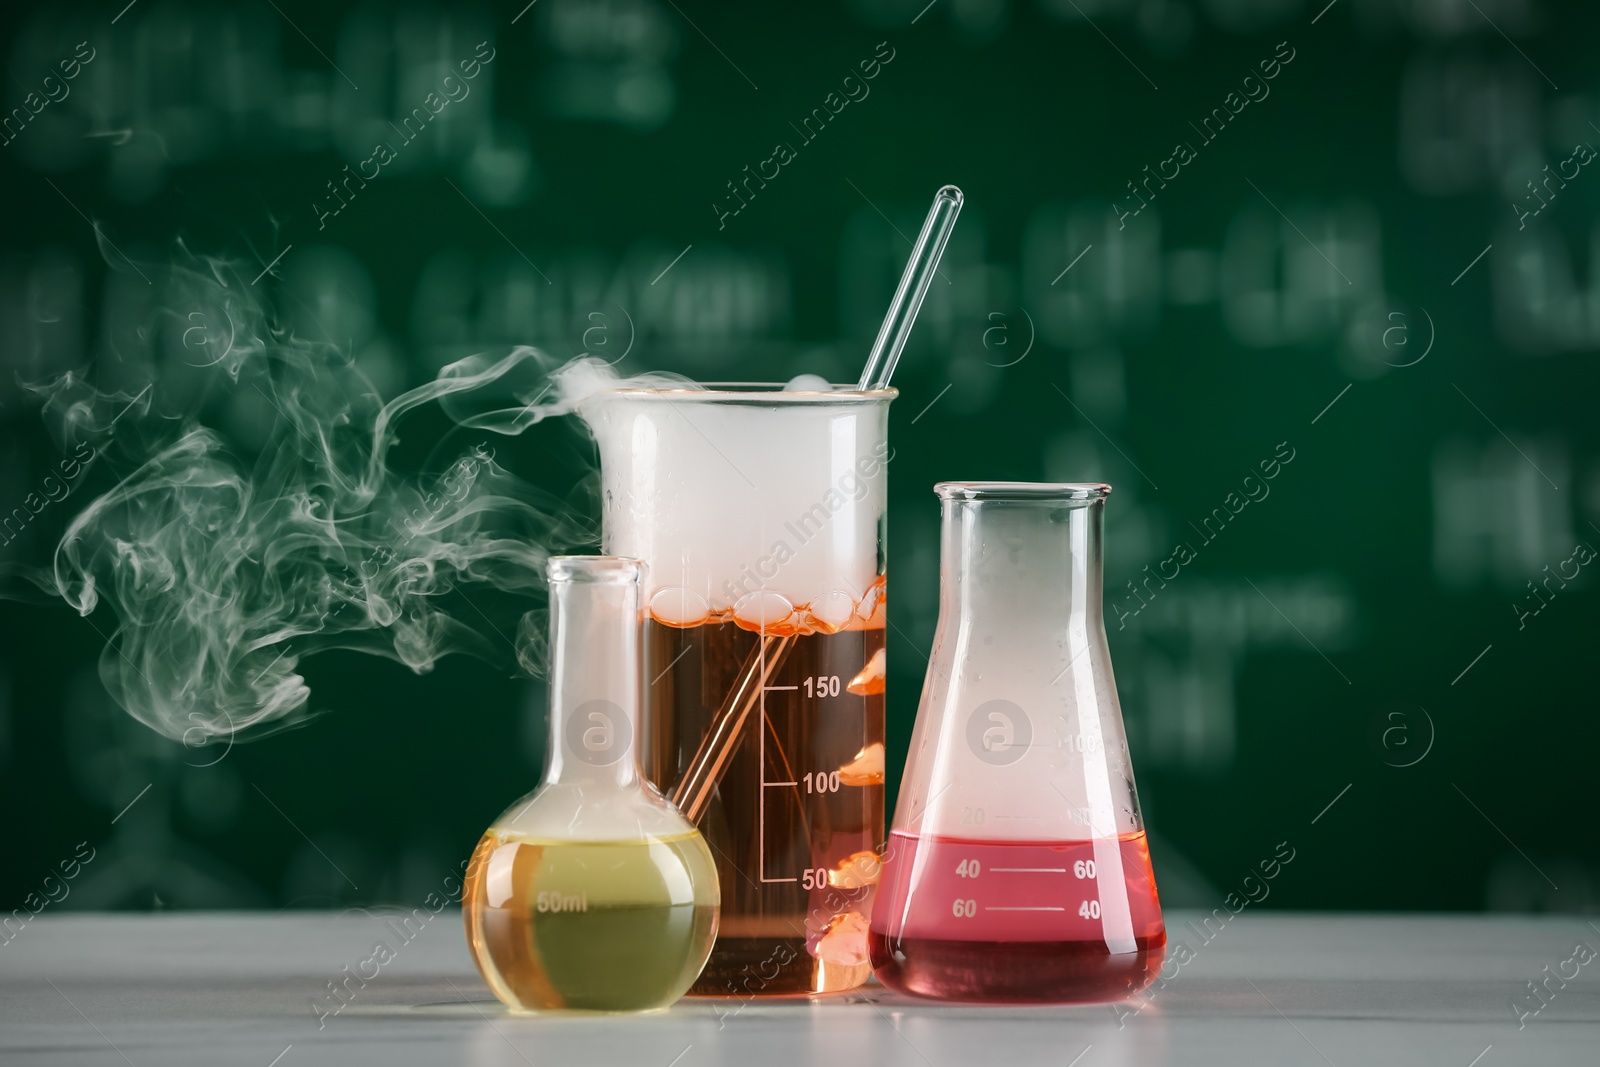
<point>226,566</point>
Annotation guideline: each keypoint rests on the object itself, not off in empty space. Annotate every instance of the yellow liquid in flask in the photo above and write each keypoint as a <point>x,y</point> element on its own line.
<point>590,926</point>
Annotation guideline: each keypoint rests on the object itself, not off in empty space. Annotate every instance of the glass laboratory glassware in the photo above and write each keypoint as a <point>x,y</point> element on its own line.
<point>592,893</point>
<point>760,515</point>
<point>1017,870</point>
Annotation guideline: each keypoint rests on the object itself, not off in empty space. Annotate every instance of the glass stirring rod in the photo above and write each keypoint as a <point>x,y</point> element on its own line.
<point>907,301</point>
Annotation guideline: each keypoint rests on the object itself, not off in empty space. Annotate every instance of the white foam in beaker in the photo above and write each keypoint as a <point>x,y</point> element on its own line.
<point>745,502</point>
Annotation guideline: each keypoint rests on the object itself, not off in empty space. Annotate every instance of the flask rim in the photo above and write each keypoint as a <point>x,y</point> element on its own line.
<point>1024,492</point>
<point>623,569</point>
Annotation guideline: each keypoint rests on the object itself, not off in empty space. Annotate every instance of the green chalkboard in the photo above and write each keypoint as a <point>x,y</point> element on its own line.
<point>1352,240</point>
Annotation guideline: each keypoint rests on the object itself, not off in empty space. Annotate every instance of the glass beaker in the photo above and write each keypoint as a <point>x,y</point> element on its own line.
<point>760,514</point>
<point>1017,869</point>
<point>592,893</point>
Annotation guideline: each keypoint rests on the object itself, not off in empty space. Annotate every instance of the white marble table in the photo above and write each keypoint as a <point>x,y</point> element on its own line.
<point>1269,989</point>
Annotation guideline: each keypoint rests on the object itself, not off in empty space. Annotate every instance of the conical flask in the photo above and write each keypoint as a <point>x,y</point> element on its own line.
<point>592,893</point>
<point>1017,869</point>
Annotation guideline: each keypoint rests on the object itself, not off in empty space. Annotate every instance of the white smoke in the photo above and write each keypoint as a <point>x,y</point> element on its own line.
<point>226,566</point>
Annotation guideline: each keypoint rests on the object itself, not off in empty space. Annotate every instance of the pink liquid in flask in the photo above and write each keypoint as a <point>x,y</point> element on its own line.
<point>1017,922</point>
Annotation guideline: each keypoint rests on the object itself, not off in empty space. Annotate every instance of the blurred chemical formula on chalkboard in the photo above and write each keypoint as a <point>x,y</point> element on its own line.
<point>1370,271</point>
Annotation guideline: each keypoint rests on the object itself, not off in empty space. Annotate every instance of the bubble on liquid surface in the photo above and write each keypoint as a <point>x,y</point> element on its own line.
<point>832,611</point>
<point>679,607</point>
<point>869,603</point>
<point>762,609</point>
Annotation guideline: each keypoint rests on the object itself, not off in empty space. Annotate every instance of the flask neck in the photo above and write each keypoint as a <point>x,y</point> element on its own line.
<point>594,671</point>
<point>1022,567</point>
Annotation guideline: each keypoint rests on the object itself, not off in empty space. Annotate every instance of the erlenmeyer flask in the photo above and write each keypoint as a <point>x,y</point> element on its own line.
<point>593,893</point>
<point>1017,869</point>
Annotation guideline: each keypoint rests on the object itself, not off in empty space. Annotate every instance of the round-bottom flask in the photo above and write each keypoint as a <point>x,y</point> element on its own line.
<point>1018,870</point>
<point>592,893</point>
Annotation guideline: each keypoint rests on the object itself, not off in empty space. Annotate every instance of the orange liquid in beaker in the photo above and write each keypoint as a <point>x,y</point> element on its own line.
<point>797,820</point>
<point>1017,922</point>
